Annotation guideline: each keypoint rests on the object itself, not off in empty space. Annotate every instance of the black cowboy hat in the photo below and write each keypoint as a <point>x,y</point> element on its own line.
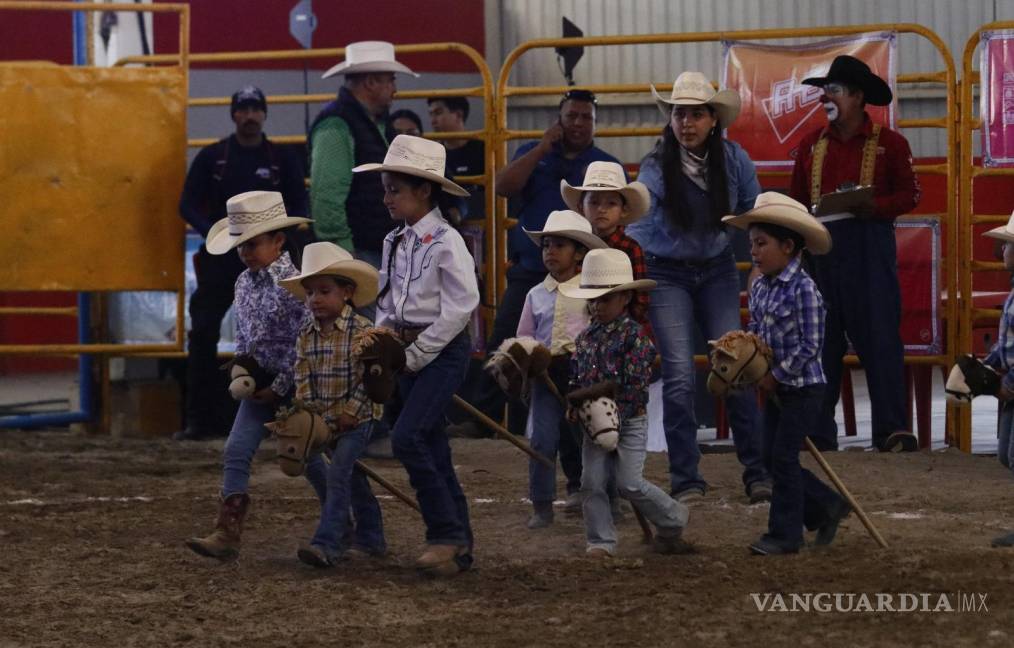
<point>850,70</point>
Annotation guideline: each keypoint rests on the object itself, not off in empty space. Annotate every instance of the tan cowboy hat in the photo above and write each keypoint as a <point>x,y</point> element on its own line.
<point>778,209</point>
<point>417,157</point>
<point>368,56</point>
<point>570,225</point>
<point>328,259</point>
<point>608,176</point>
<point>1004,232</point>
<point>694,89</point>
<point>603,272</point>
<point>249,214</point>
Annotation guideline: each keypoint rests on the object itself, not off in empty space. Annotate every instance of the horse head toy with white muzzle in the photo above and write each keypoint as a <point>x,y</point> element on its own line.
<point>969,378</point>
<point>598,413</point>
<point>738,360</point>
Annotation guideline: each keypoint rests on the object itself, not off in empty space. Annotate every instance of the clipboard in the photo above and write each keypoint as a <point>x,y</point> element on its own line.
<point>845,201</point>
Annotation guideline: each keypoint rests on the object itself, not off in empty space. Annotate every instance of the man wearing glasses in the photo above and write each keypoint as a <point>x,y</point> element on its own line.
<point>859,278</point>
<point>532,181</point>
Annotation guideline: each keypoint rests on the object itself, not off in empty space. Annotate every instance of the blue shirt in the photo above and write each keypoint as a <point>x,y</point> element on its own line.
<point>1001,356</point>
<point>659,237</point>
<point>787,311</point>
<point>541,195</point>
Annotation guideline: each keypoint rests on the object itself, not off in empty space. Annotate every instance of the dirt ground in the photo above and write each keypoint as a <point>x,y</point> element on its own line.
<point>92,533</point>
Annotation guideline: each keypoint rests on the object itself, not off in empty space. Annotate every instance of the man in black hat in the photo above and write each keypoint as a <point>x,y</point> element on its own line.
<point>859,277</point>
<point>244,161</point>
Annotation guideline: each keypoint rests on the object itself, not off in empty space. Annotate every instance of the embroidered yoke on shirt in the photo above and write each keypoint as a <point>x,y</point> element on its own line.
<point>787,311</point>
<point>433,286</point>
<point>268,319</point>
<point>621,352</point>
<point>325,373</point>
<point>552,318</point>
<point>1001,356</point>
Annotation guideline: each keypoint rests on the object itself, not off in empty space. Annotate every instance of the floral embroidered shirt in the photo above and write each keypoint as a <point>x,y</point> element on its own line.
<point>620,351</point>
<point>268,319</point>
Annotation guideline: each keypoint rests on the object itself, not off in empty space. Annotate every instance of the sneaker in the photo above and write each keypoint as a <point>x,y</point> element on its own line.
<point>671,545</point>
<point>766,546</point>
<point>827,530</point>
<point>573,506</point>
<point>315,556</point>
<point>688,495</point>
<point>1004,540</point>
<point>900,441</point>
<point>467,430</point>
<point>760,491</point>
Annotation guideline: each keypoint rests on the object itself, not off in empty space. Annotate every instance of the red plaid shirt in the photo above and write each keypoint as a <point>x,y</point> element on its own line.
<point>639,305</point>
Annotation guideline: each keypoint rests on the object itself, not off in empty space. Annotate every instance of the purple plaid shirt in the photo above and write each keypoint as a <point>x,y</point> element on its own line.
<point>787,311</point>
<point>1001,356</point>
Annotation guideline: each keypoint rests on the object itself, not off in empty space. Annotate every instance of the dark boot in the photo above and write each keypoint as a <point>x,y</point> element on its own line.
<point>223,542</point>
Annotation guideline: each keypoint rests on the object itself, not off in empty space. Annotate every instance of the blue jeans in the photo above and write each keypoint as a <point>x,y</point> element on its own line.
<point>668,515</point>
<point>247,433</point>
<point>549,430</point>
<point>705,294</point>
<point>419,442</point>
<point>1004,447</point>
<point>799,498</point>
<point>347,486</point>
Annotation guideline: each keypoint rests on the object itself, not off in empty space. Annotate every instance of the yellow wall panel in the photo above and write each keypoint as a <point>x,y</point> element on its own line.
<point>92,162</point>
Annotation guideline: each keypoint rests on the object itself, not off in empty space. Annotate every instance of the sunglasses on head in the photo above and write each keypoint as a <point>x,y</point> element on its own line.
<point>580,95</point>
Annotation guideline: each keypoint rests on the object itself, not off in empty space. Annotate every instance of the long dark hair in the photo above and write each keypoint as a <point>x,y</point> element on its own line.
<point>667,152</point>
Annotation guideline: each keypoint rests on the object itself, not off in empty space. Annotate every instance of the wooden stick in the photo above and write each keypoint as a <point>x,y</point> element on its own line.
<point>845,493</point>
<point>502,431</point>
<point>394,490</point>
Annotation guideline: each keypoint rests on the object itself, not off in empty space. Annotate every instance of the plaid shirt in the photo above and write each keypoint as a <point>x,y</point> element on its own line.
<point>1001,356</point>
<point>324,373</point>
<point>787,311</point>
<point>618,240</point>
<point>619,351</point>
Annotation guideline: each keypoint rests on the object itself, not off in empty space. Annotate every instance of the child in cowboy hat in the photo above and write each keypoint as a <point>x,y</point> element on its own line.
<point>268,320</point>
<point>428,291</point>
<point>787,311</point>
<point>555,321</point>
<point>610,203</point>
<point>333,284</point>
<point>615,348</point>
<point>1001,356</point>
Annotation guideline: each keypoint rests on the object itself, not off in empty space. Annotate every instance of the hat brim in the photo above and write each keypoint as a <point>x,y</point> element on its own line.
<point>219,241</point>
<point>636,194</point>
<point>367,68</point>
<point>449,186</point>
<point>1000,233</point>
<point>726,104</point>
<point>364,275</point>
<point>876,92</point>
<point>586,239</point>
<point>816,236</point>
<point>592,293</point>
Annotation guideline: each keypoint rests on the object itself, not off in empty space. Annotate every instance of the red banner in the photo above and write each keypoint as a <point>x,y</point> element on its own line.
<point>918,241</point>
<point>997,98</point>
<point>778,110</point>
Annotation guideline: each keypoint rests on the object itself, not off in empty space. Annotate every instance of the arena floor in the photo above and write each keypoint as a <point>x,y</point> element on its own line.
<point>92,532</point>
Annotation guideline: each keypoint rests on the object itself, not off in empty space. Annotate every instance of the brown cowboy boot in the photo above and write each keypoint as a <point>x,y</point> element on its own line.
<point>223,542</point>
<point>439,560</point>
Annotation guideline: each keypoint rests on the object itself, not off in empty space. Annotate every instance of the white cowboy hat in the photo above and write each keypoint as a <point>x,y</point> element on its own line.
<point>328,259</point>
<point>249,214</point>
<point>368,56</point>
<point>1004,232</point>
<point>778,209</point>
<point>570,225</point>
<point>417,157</point>
<point>694,89</point>
<point>606,271</point>
<point>608,176</point>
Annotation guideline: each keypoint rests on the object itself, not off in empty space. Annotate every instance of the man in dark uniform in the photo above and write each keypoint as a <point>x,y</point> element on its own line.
<point>244,161</point>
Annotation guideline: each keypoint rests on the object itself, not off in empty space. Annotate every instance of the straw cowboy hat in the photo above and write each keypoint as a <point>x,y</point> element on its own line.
<point>329,259</point>
<point>608,176</point>
<point>249,214</point>
<point>368,56</point>
<point>778,209</point>
<point>418,157</point>
<point>694,89</point>
<point>1004,232</point>
<point>570,225</point>
<point>850,70</point>
<point>603,272</point>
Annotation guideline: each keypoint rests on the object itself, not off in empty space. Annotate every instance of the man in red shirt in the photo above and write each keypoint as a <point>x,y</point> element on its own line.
<point>859,278</point>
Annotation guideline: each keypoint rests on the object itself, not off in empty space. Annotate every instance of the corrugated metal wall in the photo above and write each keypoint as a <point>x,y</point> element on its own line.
<point>953,20</point>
